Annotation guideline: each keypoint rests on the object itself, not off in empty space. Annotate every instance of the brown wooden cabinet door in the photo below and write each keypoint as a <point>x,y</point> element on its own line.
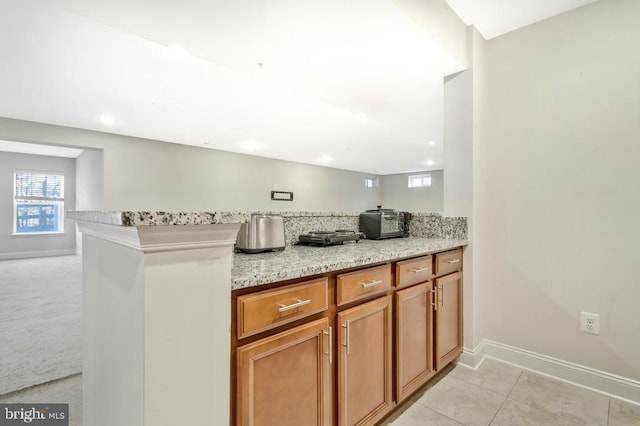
<point>414,338</point>
<point>364,363</point>
<point>285,379</point>
<point>448,316</point>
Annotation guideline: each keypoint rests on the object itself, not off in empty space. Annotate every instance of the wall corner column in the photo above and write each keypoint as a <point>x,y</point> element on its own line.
<point>156,326</point>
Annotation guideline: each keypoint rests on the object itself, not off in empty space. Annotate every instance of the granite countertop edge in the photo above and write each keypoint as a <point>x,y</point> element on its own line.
<point>250,270</point>
<point>166,218</point>
<point>160,218</point>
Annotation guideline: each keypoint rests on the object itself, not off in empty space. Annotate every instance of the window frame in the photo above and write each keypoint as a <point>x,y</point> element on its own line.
<point>38,201</point>
<point>373,180</point>
<point>422,177</point>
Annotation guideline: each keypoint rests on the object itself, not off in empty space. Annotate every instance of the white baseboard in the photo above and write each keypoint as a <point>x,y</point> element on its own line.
<point>41,253</point>
<point>599,381</point>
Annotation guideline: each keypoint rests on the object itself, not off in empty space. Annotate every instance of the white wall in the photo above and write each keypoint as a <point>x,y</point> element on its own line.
<point>397,195</point>
<point>459,112</point>
<point>140,174</point>
<point>440,22</point>
<point>17,246</point>
<point>90,180</point>
<point>556,199</point>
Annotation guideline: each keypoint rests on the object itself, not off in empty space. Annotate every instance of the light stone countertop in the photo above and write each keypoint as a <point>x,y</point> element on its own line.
<point>157,218</point>
<point>300,261</point>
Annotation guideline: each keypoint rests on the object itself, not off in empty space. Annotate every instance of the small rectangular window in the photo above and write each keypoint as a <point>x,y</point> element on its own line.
<point>419,181</point>
<point>38,201</point>
<point>371,182</point>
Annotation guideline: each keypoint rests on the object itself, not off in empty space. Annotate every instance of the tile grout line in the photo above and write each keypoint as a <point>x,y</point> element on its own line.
<point>505,400</point>
<point>443,415</point>
<point>515,383</point>
<point>561,415</point>
<point>506,397</point>
<point>476,386</point>
<point>609,412</point>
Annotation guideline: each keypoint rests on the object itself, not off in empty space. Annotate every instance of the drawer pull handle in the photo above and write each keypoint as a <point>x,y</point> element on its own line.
<point>453,260</point>
<point>371,283</point>
<point>294,305</point>
<point>422,269</point>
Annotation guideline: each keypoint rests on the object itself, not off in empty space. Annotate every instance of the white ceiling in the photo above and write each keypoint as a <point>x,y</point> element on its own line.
<point>493,18</point>
<point>354,85</point>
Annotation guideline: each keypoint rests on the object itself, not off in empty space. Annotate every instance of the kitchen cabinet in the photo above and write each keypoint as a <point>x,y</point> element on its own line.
<point>413,310</point>
<point>363,283</point>
<point>448,318</point>
<point>345,347</point>
<point>414,271</point>
<point>268,309</point>
<point>285,379</point>
<point>364,363</point>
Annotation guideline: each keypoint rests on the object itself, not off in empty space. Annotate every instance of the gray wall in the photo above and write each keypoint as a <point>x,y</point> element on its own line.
<point>140,174</point>
<point>557,202</point>
<point>16,246</point>
<point>397,195</point>
<point>90,180</point>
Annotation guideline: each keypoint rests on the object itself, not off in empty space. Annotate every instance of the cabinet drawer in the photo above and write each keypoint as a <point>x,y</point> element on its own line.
<point>360,284</point>
<point>267,309</point>
<point>414,271</point>
<point>450,261</point>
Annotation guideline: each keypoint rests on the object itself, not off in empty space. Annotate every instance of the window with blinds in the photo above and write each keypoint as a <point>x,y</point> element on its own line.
<point>38,203</point>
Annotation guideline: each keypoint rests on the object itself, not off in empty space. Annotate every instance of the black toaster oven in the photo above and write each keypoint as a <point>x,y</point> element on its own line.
<point>384,223</point>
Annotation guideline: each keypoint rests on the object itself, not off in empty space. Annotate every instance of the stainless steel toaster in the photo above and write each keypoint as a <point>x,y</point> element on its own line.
<point>263,232</point>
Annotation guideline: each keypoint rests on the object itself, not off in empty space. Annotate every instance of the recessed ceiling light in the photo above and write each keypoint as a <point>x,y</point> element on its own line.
<point>326,159</point>
<point>430,163</point>
<point>432,143</point>
<point>107,120</point>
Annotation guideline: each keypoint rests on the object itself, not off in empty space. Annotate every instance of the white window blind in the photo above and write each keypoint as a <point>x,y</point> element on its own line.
<point>38,202</point>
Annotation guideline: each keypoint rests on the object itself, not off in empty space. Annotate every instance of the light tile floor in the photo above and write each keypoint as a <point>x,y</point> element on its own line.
<point>495,394</point>
<point>500,394</point>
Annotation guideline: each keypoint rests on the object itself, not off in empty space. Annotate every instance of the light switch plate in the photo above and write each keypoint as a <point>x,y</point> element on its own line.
<point>282,196</point>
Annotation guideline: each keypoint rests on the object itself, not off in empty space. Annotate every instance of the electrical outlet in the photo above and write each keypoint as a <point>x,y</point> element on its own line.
<point>590,323</point>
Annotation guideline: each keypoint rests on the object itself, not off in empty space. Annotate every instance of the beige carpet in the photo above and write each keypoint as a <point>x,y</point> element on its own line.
<point>64,391</point>
<point>40,320</point>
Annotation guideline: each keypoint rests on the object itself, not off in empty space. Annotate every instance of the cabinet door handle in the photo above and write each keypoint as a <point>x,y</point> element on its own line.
<point>441,290</point>
<point>330,344</point>
<point>453,260</point>
<point>422,269</point>
<point>294,305</point>
<point>346,335</point>
<point>434,298</point>
<point>371,283</point>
